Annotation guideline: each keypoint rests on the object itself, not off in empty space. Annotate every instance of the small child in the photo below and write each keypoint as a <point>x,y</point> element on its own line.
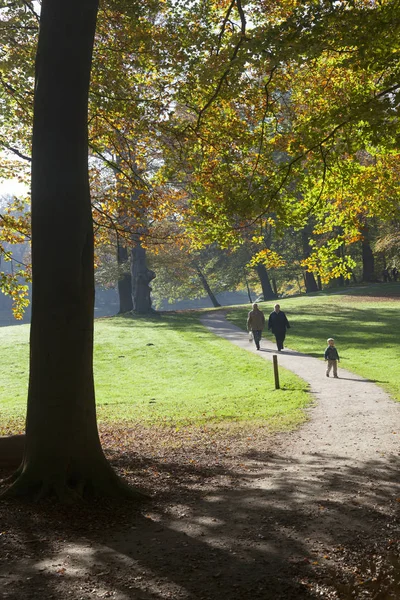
<point>332,356</point>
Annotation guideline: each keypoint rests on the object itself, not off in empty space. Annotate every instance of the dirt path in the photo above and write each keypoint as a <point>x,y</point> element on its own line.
<point>310,514</point>
<point>337,478</point>
<point>353,418</point>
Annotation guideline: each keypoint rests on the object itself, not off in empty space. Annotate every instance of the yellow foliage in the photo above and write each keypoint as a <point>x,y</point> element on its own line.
<point>271,259</point>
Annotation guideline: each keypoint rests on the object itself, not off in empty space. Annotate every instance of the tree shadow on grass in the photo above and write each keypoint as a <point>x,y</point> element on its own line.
<point>168,320</point>
<point>279,529</point>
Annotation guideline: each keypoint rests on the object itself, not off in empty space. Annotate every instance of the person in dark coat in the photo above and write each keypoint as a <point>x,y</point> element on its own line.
<point>278,324</point>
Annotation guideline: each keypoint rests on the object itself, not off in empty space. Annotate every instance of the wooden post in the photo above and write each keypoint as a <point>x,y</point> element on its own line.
<point>276,372</point>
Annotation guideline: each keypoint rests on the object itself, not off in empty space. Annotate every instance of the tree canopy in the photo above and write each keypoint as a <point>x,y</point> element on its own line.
<point>241,113</point>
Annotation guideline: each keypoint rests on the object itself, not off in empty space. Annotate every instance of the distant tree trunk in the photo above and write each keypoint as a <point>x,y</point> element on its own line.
<point>141,278</point>
<point>309,279</point>
<point>319,283</point>
<point>310,283</point>
<point>265,282</point>
<point>368,261</point>
<point>273,282</point>
<point>247,287</point>
<point>298,284</point>
<point>124,281</point>
<point>206,287</point>
<point>62,455</point>
<point>340,254</point>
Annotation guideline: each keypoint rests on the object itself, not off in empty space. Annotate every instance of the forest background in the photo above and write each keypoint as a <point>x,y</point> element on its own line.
<point>233,146</point>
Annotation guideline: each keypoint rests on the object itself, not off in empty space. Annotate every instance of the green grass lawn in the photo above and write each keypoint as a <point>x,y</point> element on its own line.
<point>364,322</point>
<point>164,370</point>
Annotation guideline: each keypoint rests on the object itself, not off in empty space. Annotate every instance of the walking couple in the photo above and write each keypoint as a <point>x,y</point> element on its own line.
<point>277,323</point>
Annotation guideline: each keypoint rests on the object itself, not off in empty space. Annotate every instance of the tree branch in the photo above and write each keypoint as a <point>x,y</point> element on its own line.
<point>15,151</point>
<point>29,6</point>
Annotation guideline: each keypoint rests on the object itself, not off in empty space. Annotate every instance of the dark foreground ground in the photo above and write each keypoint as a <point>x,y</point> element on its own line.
<point>209,532</point>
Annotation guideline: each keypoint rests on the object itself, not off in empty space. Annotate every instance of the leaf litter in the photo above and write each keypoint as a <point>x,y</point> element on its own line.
<point>207,531</point>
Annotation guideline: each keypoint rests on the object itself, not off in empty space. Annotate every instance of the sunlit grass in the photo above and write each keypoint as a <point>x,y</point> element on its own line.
<point>165,370</point>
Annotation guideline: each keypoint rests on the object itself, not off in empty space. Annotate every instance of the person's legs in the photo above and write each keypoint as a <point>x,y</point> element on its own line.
<point>257,337</point>
<point>279,342</point>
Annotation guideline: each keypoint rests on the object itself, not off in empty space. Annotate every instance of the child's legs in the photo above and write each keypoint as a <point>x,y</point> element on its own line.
<point>332,364</point>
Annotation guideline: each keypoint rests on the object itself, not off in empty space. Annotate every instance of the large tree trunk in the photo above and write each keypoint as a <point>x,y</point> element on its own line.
<point>141,278</point>
<point>265,282</point>
<point>206,287</point>
<point>124,281</point>
<point>63,455</point>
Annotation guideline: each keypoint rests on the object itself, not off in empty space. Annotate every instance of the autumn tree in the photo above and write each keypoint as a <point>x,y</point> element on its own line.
<point>127,100</point>
<point>273,114</point>
<point>16,83</point>
<point>186,273</point>
<point>63,455</point>
<point>387,243</point>
<point>254,110</point>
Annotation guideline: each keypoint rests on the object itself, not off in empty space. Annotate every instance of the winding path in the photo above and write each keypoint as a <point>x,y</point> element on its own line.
<point>352,416</point>
<point>337,475</point>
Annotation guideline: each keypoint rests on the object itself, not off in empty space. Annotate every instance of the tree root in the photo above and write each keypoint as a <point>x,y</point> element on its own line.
<point>13,477</point>
<point>25,486</point>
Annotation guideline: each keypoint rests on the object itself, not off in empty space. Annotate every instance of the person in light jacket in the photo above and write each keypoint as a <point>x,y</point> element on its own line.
<point>278,324</point>
<point>256,324</point>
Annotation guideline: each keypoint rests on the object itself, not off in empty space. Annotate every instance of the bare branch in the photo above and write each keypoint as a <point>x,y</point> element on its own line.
<point>224,22</point>
<point>15,151</point>
<point>266,110</point>
<point>29,6</point>
<point>221,81</point>
<point>242,16</point>
<point>113,165</point>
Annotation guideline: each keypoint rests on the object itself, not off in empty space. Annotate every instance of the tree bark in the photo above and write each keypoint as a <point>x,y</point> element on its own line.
<point>124,281</point>
<point>310,283</point>
<point>63,455</point>
<point>265,282</point>
<point>141,278</point>
<point>309,279</point>
<point>368,262</point>
<point>206,287</point>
